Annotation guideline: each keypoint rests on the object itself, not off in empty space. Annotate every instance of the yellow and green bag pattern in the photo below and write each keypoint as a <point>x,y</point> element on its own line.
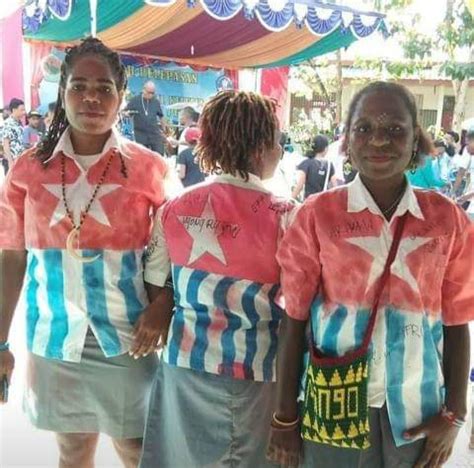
<point>335,408</point>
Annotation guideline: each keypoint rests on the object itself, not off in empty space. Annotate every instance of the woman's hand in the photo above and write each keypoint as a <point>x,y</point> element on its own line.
<point>151,330</point>
<point>440,437</point>
<point>7,363</point>
<point>284,446</point>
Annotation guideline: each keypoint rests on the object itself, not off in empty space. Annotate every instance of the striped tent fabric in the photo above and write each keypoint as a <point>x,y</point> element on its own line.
<point>229,34</point>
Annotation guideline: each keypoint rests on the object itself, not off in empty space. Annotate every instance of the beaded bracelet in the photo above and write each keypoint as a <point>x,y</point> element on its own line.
<point>4,346</point>
<point>451,418</point>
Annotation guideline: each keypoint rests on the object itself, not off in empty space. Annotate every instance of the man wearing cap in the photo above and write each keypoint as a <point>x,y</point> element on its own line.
<point>188,167</point>
<point>146,113</point>
<point>32,134</point>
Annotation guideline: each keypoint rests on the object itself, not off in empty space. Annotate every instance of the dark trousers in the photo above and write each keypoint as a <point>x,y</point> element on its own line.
<point>383,453</point>
<point>153,141</point>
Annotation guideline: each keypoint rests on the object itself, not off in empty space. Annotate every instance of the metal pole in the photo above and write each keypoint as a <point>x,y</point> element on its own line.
<point>93,8</point>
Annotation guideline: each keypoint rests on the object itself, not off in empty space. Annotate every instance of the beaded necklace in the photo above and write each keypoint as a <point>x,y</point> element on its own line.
<point>73,236</point>
<point>145,109</point>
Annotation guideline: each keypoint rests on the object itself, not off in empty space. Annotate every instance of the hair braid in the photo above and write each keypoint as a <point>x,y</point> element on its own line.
<point>236,127</point>
<point>59,123</point>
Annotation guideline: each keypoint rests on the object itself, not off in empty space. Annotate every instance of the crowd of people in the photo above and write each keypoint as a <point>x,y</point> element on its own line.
<point>330,333</point>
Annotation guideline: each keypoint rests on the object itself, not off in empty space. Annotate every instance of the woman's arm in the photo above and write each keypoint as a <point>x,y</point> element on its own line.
<point>456,368</point>
<point>289,367</point>
<point>284,446</point>
<point>13,265</point>
<point>301,180</point>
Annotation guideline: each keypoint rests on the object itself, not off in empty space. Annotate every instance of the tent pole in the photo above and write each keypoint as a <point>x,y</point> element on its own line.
<point>93,8</point>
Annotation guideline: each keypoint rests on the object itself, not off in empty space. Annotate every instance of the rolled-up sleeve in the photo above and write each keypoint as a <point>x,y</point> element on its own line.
<point>458,282</point>
<point>12,211</point>
<point>298,256</point>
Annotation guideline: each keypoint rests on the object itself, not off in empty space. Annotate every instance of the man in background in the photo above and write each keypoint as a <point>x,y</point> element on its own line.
<point>188,118</point>
<point>188,167</point>
<point>146,112</point>
<point>12,135</point>
<point>32,133</point>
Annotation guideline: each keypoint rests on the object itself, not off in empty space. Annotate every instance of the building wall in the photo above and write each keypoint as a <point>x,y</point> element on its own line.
<point>429,98</point>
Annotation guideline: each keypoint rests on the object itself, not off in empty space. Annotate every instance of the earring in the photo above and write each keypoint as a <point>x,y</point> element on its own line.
<point>347,167</point>
<point>413,166</point>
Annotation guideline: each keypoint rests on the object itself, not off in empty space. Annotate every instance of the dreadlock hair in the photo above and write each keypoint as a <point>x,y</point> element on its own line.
<point>59,123</point>
<point>236,127</point>
<point>425,145</point>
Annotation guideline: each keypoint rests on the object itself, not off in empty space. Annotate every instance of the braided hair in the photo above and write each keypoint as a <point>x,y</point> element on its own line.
<point>59,123</point>
<point>235,127</point>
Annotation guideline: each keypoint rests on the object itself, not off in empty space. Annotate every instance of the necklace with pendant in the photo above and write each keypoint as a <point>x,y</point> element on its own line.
<point>73,236</point>
<point>145,109</point>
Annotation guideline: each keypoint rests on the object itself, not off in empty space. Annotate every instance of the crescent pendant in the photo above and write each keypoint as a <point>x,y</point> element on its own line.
<point>72,237</point>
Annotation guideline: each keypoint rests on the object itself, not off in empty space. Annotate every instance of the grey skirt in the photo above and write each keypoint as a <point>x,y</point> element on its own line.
<point>98,394</point>
<point>197,419</point>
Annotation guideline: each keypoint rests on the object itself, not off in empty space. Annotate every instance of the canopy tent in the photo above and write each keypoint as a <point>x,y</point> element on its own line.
<point>230,34</point>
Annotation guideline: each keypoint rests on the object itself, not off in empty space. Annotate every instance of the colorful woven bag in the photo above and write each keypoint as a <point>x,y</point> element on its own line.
<point>335,409</point>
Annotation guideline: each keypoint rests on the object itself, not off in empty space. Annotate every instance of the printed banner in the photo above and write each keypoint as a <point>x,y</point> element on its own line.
<point>174,83</point>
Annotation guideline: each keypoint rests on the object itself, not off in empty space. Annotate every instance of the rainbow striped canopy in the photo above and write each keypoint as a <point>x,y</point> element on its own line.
<point>229,34</point>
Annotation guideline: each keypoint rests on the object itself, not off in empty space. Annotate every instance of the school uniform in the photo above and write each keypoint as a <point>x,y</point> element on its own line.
<point>331,259</point>
<point>80,316</point>
<point>214,390</point>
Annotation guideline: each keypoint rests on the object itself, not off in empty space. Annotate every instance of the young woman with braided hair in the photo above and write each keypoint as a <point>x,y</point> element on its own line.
<point>75,216</point>
<point>214,387</point>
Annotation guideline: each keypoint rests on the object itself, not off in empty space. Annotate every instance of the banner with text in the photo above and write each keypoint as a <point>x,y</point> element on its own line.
<point>174,83</point>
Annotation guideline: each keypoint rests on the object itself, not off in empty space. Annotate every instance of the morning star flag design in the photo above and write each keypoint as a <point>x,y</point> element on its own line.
<point>62,295</point>
<point>431,285</point>
<point>221,238</point>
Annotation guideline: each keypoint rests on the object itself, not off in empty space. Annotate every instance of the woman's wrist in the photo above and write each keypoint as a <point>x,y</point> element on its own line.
<point>283,424</point>
<point>453,418</point>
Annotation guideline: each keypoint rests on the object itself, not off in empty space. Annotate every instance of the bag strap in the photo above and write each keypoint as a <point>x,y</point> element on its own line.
<point>317,357</point>
<point>383,280</point>
<point>326,180</point>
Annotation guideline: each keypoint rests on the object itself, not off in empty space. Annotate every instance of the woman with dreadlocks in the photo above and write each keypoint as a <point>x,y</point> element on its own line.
<point>75,217</point>
<point>214,388</point>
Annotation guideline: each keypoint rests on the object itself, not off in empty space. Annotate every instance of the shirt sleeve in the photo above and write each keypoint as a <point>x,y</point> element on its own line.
<point>157,261</point>
<point>464,161</point>
<point>332,170</point>
<point>8,133</point>
<point>26,137</point>
<point>12,212</point>
<point>298,256</point>
<point>132,104</point>
<point>458,284</point>
<point>159,111</point>
<point>181,159</point>
<point>303,166</point>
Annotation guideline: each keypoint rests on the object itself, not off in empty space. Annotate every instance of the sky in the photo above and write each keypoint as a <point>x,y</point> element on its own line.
<point>375,46</point>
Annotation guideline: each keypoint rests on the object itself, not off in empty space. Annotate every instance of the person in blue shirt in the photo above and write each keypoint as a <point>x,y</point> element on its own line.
<point>433,172</point>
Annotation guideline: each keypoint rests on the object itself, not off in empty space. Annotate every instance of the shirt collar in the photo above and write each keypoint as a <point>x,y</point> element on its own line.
<point>254,182</point>
<point>64,145</point>
<point>359,199</point>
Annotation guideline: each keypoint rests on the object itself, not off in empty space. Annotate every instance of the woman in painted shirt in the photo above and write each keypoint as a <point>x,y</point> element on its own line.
<point>214,389</point>
<point>75,217</point>
<point>332,258</point>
